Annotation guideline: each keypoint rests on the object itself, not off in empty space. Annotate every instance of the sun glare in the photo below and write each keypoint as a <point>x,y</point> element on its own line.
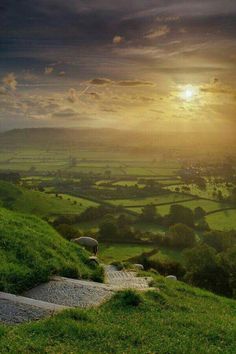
<point>189,92</point>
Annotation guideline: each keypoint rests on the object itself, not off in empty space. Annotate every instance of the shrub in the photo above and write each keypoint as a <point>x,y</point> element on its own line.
<point>128,298</point>
<point>68,232</point>
<point>181,236</point>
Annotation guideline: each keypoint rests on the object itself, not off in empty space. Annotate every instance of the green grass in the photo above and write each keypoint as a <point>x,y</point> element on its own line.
<point>151,227</point>
<point>207,205</point>
<point>164,198</point>
<point>177,320</point>
<point>85,203</point>
<point>166,254</point>
<point>121,252</point>
<point>204,193</point>
<point>128,183</point>
<point>31,251</point>
<point>223,220</point>
<point>39,203</point>
<point>92,226</point>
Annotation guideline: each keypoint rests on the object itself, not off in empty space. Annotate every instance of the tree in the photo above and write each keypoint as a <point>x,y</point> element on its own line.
<point>181,236</point>
<point>227,261</point>
<point>199,213</point>
<point>220,240</point>
<point>181,214</point>
<point>67,231</point>
<point>202,225</point>
<point>220,196</point>
<point>204,269</point>
<point>108,230</point>
<point>149,213</point>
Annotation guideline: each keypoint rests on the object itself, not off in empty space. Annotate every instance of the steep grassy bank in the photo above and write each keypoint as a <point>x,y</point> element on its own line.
<point>177,320</point>
<point>31,251</point>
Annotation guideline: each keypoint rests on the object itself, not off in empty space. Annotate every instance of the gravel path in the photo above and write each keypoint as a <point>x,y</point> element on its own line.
<point>71,292</point>
<point>13,313</point>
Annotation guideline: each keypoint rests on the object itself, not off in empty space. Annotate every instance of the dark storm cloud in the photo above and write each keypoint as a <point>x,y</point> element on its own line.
<point>100,20</point>
<point>128,83</point>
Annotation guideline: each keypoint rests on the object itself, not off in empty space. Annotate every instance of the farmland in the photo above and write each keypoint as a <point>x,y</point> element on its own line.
<point>223,220</point>
<point>121,252</point>
<point>68,180</point>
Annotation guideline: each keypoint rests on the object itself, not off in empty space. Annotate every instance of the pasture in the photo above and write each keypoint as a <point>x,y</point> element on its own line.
<point>39,203</point>
<point>223,220</point>
<point>121,252</point>
<point>167,198</point>
<point>209,192</point>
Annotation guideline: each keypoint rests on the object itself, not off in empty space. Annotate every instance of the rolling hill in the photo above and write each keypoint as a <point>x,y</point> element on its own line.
<point>16,198</point>
<point>104,138</point>
<point>31,251</point>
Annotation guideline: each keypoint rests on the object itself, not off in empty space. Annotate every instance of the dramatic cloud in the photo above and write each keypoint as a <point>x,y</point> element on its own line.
<point>121,63</point>
<point>48,70</point>
<point>159,32</point>
<point>100,81</point>
<point>10,81</point>
<point>133,83</point>
<point>72,96</point>
<point>128,83</point>
<point>118,39</point>
<point>217,87</point>
<point>65,113</point>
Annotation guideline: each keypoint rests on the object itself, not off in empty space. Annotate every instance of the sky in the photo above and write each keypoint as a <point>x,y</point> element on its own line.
<point>156,65</point>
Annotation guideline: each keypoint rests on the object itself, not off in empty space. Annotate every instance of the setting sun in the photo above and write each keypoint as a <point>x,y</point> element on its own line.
<point>189,92</point>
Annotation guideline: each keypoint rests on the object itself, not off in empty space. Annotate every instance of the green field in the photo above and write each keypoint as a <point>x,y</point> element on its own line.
<point>84,203</point>
<point>165,254</point>
<point>207,205</point>
<point>121,252</point>
<point>203,193</point>
<point>39,203</point>
<point>128,183</point>
<point>223,220</point>
<point>160,199</point>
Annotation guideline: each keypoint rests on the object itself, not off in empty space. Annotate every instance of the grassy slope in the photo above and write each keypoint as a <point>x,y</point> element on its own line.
<point>38,203</point>
<point>178,320</point>
<point>121,252</point>
<point>31,251</point>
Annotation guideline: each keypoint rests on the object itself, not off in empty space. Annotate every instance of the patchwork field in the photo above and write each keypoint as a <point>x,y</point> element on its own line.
<point>224,220</point>
<point>208,192</point>
<point>160,199</point>
<point>121,252</point>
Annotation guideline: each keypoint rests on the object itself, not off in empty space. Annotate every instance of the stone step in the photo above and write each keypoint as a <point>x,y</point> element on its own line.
<point>18,309</point>
<point>125,279</point>
<point>32,302</point>
<point>71,292</point>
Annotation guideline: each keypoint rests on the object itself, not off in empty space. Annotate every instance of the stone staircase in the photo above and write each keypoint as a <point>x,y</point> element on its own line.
<point>61,293</point>
<point>119,280</point>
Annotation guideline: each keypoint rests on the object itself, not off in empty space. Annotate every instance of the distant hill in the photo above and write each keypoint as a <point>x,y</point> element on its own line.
<point>31,251</point>
<point>135,141</point>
